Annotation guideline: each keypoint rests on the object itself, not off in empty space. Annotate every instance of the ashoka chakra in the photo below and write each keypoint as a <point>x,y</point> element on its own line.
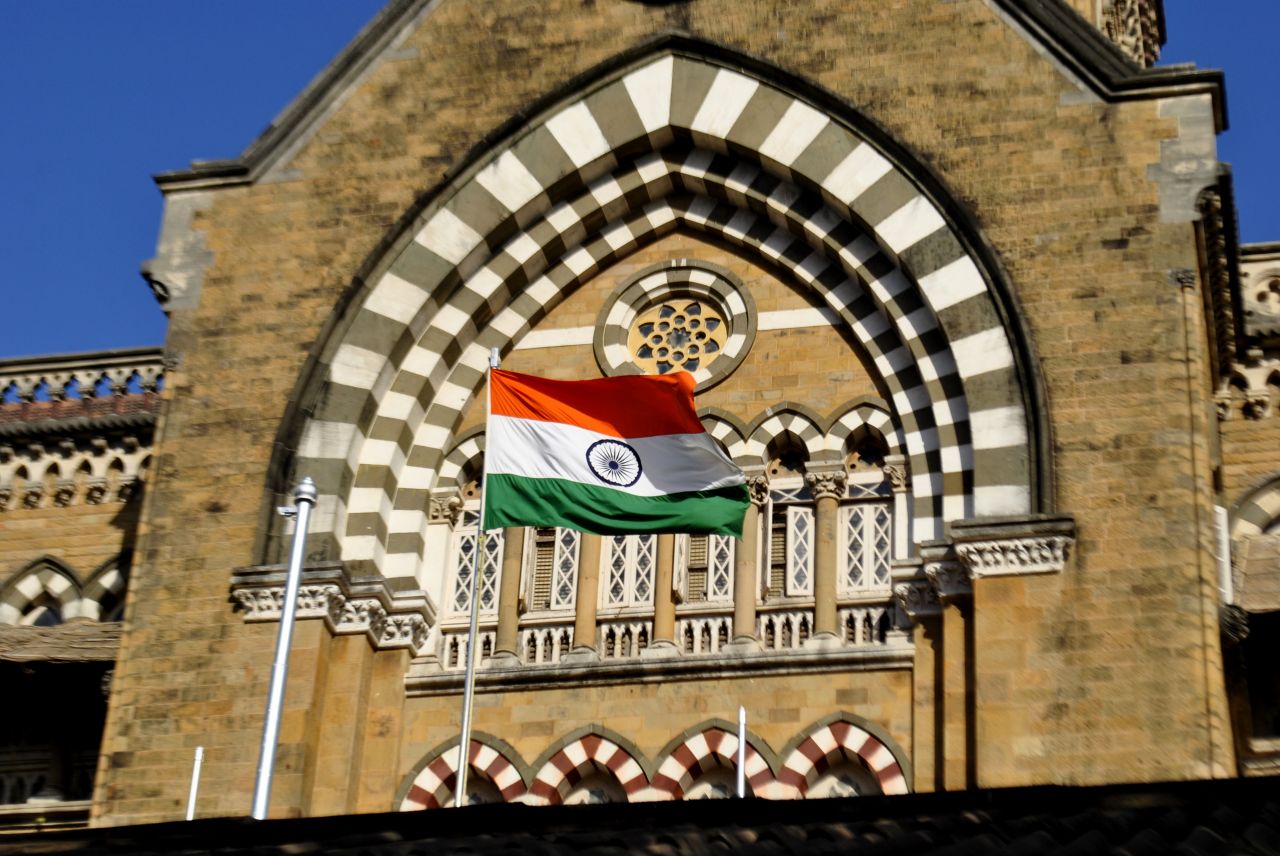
<point>614,463</point>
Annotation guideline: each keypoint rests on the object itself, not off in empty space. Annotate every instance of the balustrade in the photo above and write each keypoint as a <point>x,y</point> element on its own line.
<point>81,376</point>
<point>623,638</point>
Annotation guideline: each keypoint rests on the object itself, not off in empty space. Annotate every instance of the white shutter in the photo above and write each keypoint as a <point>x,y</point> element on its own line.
<point>799,550</point>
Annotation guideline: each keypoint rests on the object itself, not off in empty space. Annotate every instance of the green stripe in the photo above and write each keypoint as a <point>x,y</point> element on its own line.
<point>518,501</point>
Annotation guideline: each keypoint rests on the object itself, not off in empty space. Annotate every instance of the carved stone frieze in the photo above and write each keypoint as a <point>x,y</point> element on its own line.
<point>63,493</point>
<point>1134,25</point>
<point>918,599</point>
<point>1036,544</point>
<point>96,491</point>
<point>826,485</point>
<point>367,606</point>
<point>1015,556</point>
<point>32,495</point>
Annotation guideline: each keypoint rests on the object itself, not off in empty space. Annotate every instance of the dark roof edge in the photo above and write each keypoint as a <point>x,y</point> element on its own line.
<point>1089,54</point>
<point>15,364</point>
<point>349,63</point>
<point>1064,34</point>
<point>1263,249</point>
<point>76,424</point>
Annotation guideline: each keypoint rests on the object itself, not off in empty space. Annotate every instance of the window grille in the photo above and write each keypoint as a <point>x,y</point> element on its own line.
<point>465,543</point>
<point>867,535</point>
<point>704,567</point>
<point>799,550</point>
<point>628,570</point>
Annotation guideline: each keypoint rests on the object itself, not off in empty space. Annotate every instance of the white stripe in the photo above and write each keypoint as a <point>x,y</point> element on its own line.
<point>860,169</point>
<point>396,298</point>
<point>556,338</point>
<point>724,102</point>
<point>509,181</point>
<point>998,427</point>
<point>982,352</point>
<point>670,463</point>
<point>793,133</point>
<point>576,131</point>
<point>650,91</point>
<point>448,237</point>
<point>910,224</point>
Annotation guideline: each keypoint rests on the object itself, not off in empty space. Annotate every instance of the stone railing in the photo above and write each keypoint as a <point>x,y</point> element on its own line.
<point>453,647</point>
<point>621,638</point>
<point>99,374</point>
<point>865,625</point>
<point>547,643</point>
<point>784,629</point>
<point>704,634</point>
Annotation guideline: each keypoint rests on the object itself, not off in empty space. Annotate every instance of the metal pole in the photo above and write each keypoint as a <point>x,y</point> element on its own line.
<point>305,497</point>
<point>469,681</point>
<point>195,783</point>
<point>742,752</point>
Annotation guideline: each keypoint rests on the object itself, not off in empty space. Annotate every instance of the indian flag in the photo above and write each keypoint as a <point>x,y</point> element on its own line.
<point>609,456</point>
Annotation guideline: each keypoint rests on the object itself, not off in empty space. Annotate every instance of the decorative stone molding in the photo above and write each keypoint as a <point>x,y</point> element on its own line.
<point>950,579</point>
<point>918,599</point>
<point>349,605</point>
<point>826,485</point>
<point>83,375</point>
<point>1134,25</point>
<point>445,509</point>
<point>897,475</point>
<point>758,489</point>
<point>994,547</point>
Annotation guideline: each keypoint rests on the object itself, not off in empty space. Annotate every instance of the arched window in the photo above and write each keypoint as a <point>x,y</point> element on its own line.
<point>550,568</point>
<point>866,519</point>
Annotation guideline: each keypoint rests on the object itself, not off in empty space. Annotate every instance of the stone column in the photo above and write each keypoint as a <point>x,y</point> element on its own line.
<point>588,594</point>
<point>895,469</point>
<point>507,643</point>
<point>664,600</point>
<point>918,600</point>
<point>747,564</point>
<point>827,489</point>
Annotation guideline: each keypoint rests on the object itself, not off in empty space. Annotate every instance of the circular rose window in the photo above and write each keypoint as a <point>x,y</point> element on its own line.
<point>678,316</point>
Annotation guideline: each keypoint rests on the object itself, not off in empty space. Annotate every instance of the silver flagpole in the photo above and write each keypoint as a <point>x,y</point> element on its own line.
<point>742,752</point>
<point>469,682</point>
<point>195,783</point>
<point>305,497</point>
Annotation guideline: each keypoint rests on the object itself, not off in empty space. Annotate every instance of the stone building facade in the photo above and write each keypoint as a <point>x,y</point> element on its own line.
<point>960,287</point>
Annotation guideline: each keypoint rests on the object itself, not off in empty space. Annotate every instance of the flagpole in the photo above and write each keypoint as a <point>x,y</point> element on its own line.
<point>304,497</point>
<point>469,682</point>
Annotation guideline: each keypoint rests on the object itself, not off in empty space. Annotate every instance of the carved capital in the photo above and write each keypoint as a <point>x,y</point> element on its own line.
<point>1222,403</point>
<point>63,492</point>
<point>445,509</point>
<point>758,489</point>
<point>897,475</point>
<point>949,579</point>
<point>826,485</point>
<point>96,491</point>
<point>1256,404</point>
<point>918,599</point>
<point>32,495</point>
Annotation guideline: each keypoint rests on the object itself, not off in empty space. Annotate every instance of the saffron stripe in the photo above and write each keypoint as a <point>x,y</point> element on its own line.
<point>626,407</point>
<point>516,501</point>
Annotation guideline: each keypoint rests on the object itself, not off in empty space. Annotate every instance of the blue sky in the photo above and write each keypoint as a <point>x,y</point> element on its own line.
<point>99,96</point>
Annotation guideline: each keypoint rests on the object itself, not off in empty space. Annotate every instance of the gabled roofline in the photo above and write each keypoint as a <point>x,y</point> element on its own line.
<point>348,65</point>
<point>1067,37</point>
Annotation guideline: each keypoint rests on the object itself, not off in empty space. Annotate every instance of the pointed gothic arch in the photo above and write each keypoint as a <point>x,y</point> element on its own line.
<point>581,753</point>
<point>682,136</point>
<point>431,783</point>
